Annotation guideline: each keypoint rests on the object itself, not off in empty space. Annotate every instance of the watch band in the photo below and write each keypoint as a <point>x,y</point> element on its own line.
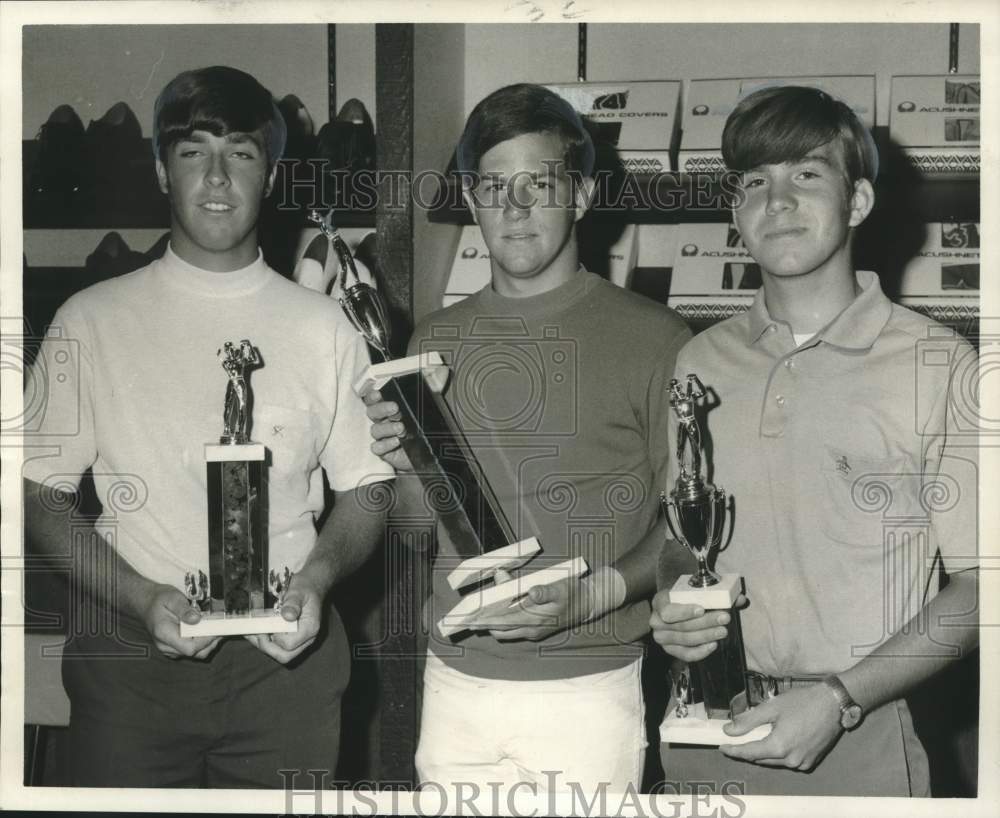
<point>850,711</point>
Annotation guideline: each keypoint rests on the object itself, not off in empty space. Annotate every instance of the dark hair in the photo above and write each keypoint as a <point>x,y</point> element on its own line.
<point>783,124</point>
<point>520,109</point>
<point>220,100</point>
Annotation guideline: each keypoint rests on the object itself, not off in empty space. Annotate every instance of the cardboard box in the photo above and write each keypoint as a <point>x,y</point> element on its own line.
<point>714,276</point>
<point>470,270</point>
<point>942,280</point>
<point>656,246</point>
<point>639,118</point>
<point>710,102</point>
<point>935,120</point>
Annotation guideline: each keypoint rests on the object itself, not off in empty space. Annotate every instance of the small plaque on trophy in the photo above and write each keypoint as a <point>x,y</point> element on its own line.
<point>240,594</point>
<point>708,693</point>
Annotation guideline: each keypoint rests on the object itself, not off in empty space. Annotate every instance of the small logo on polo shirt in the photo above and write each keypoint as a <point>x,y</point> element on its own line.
<point>842,465</point>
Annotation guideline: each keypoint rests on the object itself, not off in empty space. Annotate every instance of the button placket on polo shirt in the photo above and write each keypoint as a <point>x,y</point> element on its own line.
<point>780,387</point>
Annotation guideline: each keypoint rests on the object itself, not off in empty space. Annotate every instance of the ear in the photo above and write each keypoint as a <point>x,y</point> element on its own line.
<point>584,196</point>
<point>862,202</point>
<point>161,177</point>
<point>470,202</point>
<point>269,186</point>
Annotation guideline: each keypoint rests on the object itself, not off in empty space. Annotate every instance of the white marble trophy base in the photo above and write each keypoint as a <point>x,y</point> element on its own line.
<point>217,624</point>
<point>718,597</point>
<point>430,364</point>
<point>475,610</point>
<point>698,728</point>
<point>477,569</point>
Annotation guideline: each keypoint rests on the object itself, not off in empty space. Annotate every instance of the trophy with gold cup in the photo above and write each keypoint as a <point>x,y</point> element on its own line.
<point>710,692</point>
<point>240,594</point>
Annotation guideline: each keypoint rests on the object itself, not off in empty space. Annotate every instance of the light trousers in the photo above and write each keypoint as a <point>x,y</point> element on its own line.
<point>585,732</point>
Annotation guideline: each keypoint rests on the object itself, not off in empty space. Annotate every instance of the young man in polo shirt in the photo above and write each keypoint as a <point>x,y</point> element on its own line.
<point>145,390</point>
<point>559,382</point>
<point>835,431</point>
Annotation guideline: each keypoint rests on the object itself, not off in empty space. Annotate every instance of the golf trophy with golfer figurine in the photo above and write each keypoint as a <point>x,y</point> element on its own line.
<point>706,694</point>
<point>443,460</point>
<point>239,595</point>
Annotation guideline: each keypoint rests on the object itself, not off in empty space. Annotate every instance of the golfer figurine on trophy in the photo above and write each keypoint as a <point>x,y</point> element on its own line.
<point>710,692</point>
<point>238,596</point>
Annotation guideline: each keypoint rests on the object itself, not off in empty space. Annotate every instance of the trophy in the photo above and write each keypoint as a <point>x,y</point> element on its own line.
<point>712,691</point>
<point>443,460</point>
<point>238,596</point>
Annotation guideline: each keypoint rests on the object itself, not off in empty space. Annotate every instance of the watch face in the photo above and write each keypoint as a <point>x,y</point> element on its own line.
<point>850,716</point>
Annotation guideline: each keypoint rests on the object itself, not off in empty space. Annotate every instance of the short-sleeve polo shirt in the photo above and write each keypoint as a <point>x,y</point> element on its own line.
<point>851,460</point>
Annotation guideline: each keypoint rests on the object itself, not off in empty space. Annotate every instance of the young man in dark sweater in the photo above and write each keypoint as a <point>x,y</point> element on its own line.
<point>559,381</point>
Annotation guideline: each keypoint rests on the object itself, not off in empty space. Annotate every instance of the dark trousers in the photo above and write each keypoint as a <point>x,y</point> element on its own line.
<point>238,719</point>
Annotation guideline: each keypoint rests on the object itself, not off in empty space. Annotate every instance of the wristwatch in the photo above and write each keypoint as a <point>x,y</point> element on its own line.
<point>850,710</point>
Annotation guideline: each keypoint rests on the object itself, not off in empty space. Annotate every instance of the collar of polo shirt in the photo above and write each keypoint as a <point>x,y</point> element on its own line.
<point>856,327</point>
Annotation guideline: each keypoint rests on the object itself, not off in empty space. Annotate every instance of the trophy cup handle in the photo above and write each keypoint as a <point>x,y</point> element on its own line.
<point>720,512</point>
<point>674,527</point>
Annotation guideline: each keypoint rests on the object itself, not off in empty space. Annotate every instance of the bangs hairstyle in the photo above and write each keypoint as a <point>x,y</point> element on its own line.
<point>521,109</point>
<point>220,100</point>
<point>777,125</point>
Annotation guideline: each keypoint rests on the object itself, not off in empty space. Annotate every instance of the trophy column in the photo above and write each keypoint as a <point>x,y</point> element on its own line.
<point>238,596</point>
<point>236,545</point>
<point>711,691</point>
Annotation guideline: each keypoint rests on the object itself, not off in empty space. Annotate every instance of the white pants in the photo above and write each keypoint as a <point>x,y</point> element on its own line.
<point>583,732</point>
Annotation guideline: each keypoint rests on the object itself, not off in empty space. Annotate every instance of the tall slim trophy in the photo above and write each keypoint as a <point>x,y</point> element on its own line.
<point>710,692</point>
<point>239,595</point>
<point>443,460</point>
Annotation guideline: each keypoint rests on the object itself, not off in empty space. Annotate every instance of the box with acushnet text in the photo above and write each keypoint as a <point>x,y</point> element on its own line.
<point>714,275</point>
<point>935,120</point>
<point>942,280</point>
<point>710,101</point>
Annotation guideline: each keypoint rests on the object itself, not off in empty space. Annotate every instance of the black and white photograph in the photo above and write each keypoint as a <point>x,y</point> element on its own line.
<point>542,408</point>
